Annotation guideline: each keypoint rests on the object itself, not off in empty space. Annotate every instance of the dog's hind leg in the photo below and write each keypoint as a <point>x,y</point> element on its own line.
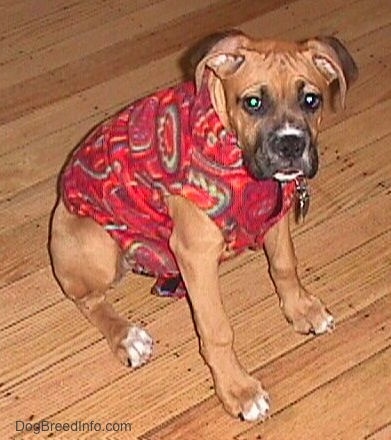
<point>85,261</point>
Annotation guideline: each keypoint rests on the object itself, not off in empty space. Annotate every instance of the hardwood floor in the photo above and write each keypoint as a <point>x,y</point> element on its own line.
<point>65,66</point>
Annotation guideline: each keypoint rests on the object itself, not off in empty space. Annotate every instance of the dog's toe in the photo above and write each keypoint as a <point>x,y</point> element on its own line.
<point>258,410</point>
<point>138,344</point>
<point>327,325</point>
<point>309,315</point>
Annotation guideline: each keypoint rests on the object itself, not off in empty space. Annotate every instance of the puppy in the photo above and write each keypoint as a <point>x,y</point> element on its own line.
<point>189,176</point>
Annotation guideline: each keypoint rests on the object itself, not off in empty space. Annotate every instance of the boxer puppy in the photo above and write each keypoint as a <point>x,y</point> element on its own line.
<point>185,178</point>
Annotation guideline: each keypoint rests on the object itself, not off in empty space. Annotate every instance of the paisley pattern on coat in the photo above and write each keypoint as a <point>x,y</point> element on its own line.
<point>170,143</point>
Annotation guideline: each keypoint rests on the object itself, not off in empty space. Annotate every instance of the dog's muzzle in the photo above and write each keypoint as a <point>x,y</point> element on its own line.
<point>284,153</point>
<point>288,145</point>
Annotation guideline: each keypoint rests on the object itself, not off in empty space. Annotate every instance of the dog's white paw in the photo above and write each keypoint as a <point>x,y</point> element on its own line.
<point>258,410</point>
<point>138,345</point>
<point>326,326</point>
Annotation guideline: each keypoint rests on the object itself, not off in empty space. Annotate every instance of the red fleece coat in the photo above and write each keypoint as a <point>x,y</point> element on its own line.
<point>170,143</point>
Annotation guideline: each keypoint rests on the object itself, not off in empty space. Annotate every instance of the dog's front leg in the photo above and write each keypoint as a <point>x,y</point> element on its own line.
<point>306,312</point>
<point>198,245</point>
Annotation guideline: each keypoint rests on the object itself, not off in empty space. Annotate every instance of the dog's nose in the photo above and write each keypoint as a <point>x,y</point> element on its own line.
<point>289,146</point>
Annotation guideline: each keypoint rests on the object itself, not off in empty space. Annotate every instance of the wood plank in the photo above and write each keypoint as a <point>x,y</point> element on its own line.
<point>347,178</point>
<point>383,433</point>
<point>28,297</point>
<point>26,251</point>
<point>26,206</point>
<point>44,24</point>
<point>72,41</point>
<point>121,56</point>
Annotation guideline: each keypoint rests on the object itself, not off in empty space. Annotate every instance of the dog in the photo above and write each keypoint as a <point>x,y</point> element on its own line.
<point>181,180</point>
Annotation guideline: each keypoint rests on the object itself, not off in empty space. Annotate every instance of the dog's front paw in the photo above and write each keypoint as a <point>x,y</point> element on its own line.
<point>308,314</point>
<point>243,397</point>
<point>138,345</point>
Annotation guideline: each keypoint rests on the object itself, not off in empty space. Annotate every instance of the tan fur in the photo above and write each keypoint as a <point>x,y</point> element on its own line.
<point>86,260</point>
<point>303,310</point>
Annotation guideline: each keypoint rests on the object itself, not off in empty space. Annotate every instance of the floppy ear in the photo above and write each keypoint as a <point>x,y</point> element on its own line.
<point>334,62</point>
<point>219,52</point>
<point>222,64</point>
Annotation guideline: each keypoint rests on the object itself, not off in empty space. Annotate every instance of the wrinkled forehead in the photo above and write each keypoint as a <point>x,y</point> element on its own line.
<point>281,71</point>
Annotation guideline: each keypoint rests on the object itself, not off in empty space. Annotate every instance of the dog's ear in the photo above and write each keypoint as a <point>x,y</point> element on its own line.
<point>220,53</point>
<point>334,62</point>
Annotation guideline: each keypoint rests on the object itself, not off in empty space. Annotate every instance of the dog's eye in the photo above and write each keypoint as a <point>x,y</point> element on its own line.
<point>312,101</point>
<point>252,104</point>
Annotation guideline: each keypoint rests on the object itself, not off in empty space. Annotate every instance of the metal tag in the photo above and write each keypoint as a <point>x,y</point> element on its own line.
<point>302,200</point>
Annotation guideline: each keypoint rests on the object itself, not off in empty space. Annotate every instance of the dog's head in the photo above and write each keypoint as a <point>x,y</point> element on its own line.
<point>271,94</point>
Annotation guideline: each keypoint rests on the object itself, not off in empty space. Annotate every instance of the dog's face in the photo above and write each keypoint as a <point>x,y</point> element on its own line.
<point>274,105</point>
<point>271,95</point>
